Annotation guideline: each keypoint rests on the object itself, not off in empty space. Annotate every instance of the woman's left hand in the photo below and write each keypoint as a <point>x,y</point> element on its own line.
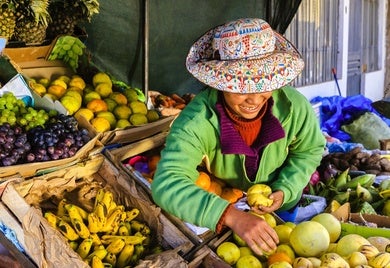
<point>277,198</point>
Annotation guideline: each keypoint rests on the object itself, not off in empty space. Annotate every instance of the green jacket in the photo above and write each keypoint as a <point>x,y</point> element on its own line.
<point>286,164</point>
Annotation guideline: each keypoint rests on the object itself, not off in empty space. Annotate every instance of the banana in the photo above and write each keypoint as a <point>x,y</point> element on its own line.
<point>125,256</point>
<point>131,214</point>
<point>83,213</point>
<point>110,258</point>
<point>85,247</point>
<point>112,220</point>
<point>94,224</point>
<point>137,226</point>
<point>96,262</point>
<point>381,260</point>
<point>95,239</point>
<point>116,245</point>
<point>129,239</point>
<point>61,210</point>
<point>73,245</point>
<point>341,179</point>
<point>139,250</point>
<point>385,193</point>
<point>369,251</point>
<point>332,259</point>
<point>101,213</point>
<point>363,193</point>
<point>67,230</point>
<point>80,227</point>
<point>365,180</point>
<point>123,230</point>
<point>99,196</point>
<point>107,199</point>
<point>73,212</point>
<point>51,218</point>
<point>100,253</point>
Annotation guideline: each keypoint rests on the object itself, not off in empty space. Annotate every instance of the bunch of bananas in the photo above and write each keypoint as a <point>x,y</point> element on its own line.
<point>68,49</point>
<point>107,236</point>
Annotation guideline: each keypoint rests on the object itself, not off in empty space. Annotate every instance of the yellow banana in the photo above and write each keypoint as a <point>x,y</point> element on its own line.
<point>131,214</point>
<point>95,239</point>
<point>99,196</point>
<point>125,256</point>
<point>80,227</point>
<point>110,258</point>
<point>73,212</point>
<point>112,208</point>
<point>112,220</point>
<point>137,226</point>
<point>129,239</point>
<point>107,199</point>
<point>385,193</point>
<point>73,245</point>
<point>116,246</point>
<point>114,229</point>
<point>96,262</point>
<point>381,260</point>
<point>61,210</point>
<point>85,247</point>
<point>67,230</point>
<point>83,213</point>
<point>100,253</point>
<point>101,213</point>
<point>369,251</point>
<point>94,225</point>
<point>51,218</point>
<point>123,230</point>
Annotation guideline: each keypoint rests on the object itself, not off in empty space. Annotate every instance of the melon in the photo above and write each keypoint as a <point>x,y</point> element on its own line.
<point>309,239</point>
<point>350,243</point>
<point>331,223</point>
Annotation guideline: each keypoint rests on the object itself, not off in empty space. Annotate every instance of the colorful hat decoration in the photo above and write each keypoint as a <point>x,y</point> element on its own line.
<point>244,56</point>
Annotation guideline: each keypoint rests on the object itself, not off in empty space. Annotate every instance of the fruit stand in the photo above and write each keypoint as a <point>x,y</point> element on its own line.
<point>78,151</point>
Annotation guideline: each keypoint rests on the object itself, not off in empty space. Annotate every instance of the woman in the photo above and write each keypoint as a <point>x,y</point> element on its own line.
<point>248,127</point>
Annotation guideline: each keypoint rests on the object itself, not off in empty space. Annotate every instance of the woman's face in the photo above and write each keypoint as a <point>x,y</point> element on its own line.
<point>246,105</point>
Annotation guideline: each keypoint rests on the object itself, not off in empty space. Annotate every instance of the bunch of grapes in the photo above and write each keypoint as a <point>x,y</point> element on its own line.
<point>14,111</point>
<point>59,138</point>
<point>14,145</point>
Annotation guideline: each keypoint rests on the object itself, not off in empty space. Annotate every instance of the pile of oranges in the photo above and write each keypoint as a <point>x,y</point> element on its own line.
<point>218,187</point>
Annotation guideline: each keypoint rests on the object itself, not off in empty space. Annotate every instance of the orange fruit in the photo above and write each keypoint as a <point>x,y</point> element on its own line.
<point>203,180</point>
<point>278,257</point>
<point>152,162</point>
<point>231,194</point>
<point>56,90</point>
<point>97,105</point>
<point>215,188</point>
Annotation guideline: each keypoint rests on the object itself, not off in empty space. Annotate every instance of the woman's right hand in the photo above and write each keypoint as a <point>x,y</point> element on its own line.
<point>254,230</point>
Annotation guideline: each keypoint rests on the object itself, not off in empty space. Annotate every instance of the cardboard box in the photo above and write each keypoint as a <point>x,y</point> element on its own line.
<point>132,133</point>
<point>48,248</point>
<point>28,53</point>
<point>365,225</point>
<point>33,169</point>
<point>118,155</point>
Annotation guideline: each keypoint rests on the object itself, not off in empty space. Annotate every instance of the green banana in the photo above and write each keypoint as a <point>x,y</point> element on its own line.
<point>363,193</point>
<point>84,248</point>
<point>341,179</point>
<point>137,226</point>
<point>365,180</point>
<point>385,194</point>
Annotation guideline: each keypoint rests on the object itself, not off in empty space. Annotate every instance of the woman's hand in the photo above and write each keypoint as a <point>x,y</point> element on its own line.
<point>254,230</point>
<point>277,198</point>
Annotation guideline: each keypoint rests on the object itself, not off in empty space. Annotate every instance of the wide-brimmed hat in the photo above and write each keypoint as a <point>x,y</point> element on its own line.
<point>244,56</point>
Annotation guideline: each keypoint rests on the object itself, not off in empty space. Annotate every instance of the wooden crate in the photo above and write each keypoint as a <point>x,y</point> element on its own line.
<point>118,155</point>
<point>48,248</point>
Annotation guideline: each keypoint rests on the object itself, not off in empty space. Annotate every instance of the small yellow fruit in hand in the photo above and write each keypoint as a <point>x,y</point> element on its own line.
<point>228,252</point>
<point>257,195</point>
<point>100,124</point>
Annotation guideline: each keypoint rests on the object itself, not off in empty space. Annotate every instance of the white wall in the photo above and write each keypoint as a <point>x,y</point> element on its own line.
<point>372,83</point>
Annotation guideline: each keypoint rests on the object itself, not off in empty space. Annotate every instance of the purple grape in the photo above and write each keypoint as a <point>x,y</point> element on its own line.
<point>30,157</point>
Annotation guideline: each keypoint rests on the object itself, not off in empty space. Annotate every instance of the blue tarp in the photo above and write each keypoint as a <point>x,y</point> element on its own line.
<point>336,111</point>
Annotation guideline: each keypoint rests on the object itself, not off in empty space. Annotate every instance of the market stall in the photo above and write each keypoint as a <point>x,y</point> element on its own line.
<point>79,147</point>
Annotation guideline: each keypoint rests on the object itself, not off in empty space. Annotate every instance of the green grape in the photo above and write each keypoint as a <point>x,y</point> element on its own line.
<point>28,117</point>
<point>40,121</point>
<point>22,121</point>
<point>20,103</point>
<point>12,120</point>
<point>3,119</point>
<point>9,105</point>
